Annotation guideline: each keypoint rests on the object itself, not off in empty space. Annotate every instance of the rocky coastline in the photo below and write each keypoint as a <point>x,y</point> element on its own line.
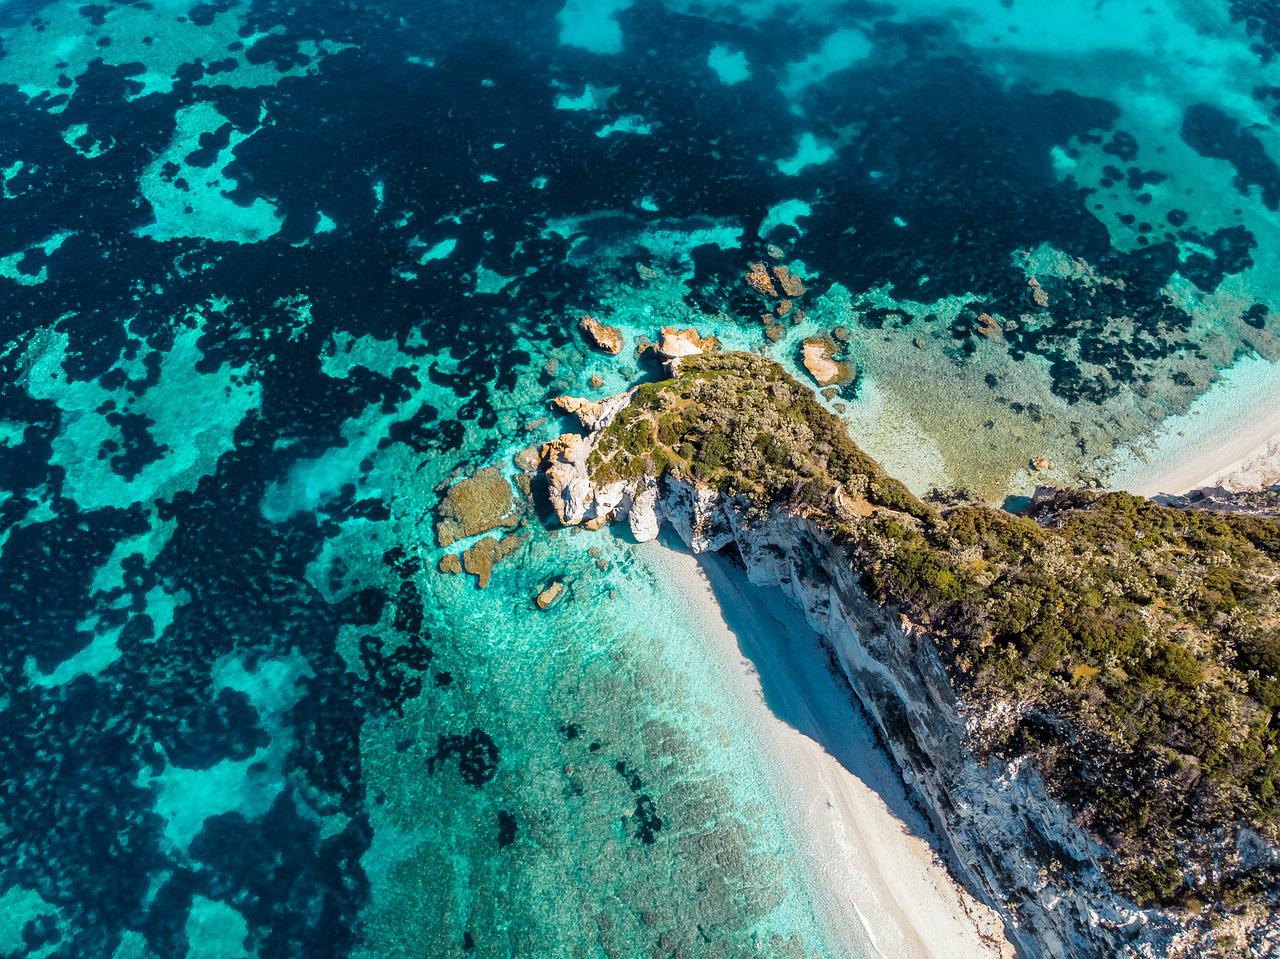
<point>1007,836</point>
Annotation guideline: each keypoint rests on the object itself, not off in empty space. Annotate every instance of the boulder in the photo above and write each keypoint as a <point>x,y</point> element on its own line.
<point>818,357</point>
<point>550,596</point>
<point>605,338</point>
<point>475,505</point>
<point>449,563</point>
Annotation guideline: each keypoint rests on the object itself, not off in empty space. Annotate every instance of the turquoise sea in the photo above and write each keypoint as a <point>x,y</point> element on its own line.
<point>274,275</point>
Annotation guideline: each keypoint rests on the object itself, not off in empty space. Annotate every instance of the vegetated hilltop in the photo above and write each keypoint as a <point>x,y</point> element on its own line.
<point>1132,649</point>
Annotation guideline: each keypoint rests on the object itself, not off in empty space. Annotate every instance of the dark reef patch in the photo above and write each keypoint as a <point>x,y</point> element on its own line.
<point>1212,133</point>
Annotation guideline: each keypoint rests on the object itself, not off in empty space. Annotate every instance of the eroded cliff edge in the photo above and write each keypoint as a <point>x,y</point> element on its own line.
<point>1083,702</point>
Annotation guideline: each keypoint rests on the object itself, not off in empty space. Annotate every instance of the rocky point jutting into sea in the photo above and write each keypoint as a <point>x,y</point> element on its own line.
<point>1078,700</point>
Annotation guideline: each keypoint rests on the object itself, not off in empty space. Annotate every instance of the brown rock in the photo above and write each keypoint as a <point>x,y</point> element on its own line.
<point>527,459</point>
<point>841,334</point>
<point>818,357</point>
<point>550,596</point>
<point>773,332</point>
<point>988,326</point>
<point>480,559</point>
<point>918,343</point>
<point>449,563</point>
<point>1038,294</point>
<point>790,284</point>
<point>760,280</point>
<point>1041,463</point>
<point>596,381</point>
<point>606,338</point>
<point>784,307</point>
<point>475,505</point>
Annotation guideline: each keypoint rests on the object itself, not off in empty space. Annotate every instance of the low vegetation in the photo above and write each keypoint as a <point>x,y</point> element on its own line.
<point>1139,644</point>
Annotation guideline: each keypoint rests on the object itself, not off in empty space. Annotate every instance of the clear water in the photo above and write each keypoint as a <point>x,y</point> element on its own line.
<point>270,274</point>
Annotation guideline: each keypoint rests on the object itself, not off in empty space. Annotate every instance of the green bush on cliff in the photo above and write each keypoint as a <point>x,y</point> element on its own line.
<point>1140,644</point>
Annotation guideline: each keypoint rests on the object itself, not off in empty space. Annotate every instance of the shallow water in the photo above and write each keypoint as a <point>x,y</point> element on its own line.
<point>270,274</point>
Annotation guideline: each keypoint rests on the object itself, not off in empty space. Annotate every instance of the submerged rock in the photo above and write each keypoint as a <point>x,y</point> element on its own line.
<point>480,559</point>
<point>475,505</point>
<point>605,338</point>
<point>527,459</point>
<point>790,284</point>
<point>817,355</point>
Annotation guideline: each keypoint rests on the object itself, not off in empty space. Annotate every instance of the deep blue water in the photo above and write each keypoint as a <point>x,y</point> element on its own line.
<point>272,275</point>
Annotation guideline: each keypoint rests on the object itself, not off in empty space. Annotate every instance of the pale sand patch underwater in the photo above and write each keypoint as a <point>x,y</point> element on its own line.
<point>1230,436</point>
<point>875,880</point>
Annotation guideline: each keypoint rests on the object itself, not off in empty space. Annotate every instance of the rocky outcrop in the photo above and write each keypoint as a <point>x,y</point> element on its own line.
<point>587,411</point>
<point>474,505</point>
<point>818,356</point>
<point>607,339</point>
<point>1004,837</point>
<point>673,344</point>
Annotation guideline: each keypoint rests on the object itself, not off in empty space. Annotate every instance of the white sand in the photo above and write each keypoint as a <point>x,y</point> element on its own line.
<point>873,877</point>
<point>1230,436</point>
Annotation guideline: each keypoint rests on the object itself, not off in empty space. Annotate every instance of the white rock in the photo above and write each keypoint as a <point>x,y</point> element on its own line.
<point>643,514</point>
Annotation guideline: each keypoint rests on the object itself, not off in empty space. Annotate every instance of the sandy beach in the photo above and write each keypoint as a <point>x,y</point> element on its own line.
<point>1229,437</point>
<point>877,880</point>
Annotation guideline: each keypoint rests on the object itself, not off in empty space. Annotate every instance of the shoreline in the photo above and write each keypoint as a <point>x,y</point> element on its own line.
<point>874,878</point>
<point>1230,436</point>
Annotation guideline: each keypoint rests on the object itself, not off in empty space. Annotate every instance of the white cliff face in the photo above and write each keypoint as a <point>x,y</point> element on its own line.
<point>1006,839</point>
<point>642,516</point>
